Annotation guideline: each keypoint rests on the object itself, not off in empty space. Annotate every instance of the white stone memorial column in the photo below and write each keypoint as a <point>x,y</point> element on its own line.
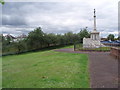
<point>94,21</point>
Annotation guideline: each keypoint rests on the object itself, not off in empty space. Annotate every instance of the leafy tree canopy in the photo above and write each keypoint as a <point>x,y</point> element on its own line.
<point>2,2</point>
<point>119,37</point>
<point>111,37</point>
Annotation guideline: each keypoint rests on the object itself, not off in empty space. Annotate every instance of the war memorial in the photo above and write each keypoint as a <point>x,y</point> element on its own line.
<point>94,40</point>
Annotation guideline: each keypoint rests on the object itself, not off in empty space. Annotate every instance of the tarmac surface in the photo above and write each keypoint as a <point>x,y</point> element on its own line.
<point>103,68</point>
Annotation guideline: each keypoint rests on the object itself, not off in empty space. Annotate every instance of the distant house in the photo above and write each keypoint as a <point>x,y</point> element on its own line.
<point>10,37</point>
<point>19,38</point>
<point>15,39</point>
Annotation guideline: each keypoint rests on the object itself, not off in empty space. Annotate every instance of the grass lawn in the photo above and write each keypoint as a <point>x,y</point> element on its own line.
<point>97,49</point>
<point>46,69</point>
<point>103,48</point>
<point>80,47</point>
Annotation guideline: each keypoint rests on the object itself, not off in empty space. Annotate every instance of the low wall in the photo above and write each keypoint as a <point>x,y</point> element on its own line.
<point>115,52</point>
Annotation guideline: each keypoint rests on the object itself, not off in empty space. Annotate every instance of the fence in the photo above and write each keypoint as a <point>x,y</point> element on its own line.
<point>79,47</point>
<point>26,51</point>
<point>115,52</point>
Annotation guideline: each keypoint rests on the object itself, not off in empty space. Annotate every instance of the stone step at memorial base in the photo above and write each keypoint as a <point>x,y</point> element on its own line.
<point>89,43</point>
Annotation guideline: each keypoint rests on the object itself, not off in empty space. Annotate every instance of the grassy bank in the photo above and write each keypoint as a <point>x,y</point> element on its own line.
<point>46,69</point>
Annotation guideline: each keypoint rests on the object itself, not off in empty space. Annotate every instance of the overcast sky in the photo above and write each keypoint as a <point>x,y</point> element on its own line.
<point>60,17</point>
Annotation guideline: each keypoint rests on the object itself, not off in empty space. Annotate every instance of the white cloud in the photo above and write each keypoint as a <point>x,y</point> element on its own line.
<point>66,16</point>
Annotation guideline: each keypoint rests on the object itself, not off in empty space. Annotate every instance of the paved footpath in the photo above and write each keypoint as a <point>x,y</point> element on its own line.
<point>103,68</point>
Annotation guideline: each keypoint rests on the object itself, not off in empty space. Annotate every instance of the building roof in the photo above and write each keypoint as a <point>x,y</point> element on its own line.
<point>10,36</point>
<point>22,36</point>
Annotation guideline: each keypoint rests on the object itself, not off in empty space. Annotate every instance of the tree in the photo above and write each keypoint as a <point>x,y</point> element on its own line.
<point>20,46</point>
<point>119,37</point>
<point>69,37</point>
<point>2,2</point>
<point>8,39</point>
<point>111,37</point>
<point>35,38</point>
<point>50,39</point>
<point>83,33</point>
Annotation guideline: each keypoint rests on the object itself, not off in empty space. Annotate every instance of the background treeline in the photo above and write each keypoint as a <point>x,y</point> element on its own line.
<point>37,40</point>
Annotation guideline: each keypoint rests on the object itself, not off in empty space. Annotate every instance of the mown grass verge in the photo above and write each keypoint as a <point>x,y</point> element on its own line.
<point>46,69</point>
